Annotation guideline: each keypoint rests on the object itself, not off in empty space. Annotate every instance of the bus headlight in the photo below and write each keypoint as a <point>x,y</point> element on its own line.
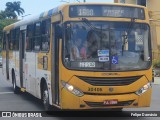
<point>144,89</point>
<point>72,89</point>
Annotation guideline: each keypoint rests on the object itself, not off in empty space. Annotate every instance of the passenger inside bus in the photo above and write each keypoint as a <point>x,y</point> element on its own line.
<point>83,51</point>
<point>75,52</point>
<point>92,44</point>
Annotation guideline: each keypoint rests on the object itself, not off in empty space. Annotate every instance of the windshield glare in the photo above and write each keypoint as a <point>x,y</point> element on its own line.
<point>111,46</point>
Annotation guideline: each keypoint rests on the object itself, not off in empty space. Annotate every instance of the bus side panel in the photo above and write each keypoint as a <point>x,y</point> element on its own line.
<point>17,74</point>
<point>44,73</point>
<point>12,57</point>
<point>30,71</point>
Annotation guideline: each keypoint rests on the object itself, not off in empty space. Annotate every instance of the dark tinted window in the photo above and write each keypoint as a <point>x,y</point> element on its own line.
<point>46,35</point>
<point>12,40</point>
<point>4,41</point>
<point>29,38</point>
<point>17,32</point>
<point>37,37</point>
<point>141,2</point>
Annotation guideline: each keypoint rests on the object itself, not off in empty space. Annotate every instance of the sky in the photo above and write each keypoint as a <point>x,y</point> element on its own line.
<point>35,7</point>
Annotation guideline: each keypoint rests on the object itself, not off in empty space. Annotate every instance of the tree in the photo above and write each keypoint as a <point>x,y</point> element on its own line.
<point>2,15</point>
<point>12,8</point>
<point>4,23</point>
<point>9,15</point>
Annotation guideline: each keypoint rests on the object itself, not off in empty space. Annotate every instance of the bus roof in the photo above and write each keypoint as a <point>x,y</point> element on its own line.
<point>56,10</point>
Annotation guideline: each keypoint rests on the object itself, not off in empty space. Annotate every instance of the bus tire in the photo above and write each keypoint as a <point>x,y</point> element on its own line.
<point>45,99</point>
<point>15,88</point>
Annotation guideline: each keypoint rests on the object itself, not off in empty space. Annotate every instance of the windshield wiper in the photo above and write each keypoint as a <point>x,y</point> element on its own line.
<point>86,21</point>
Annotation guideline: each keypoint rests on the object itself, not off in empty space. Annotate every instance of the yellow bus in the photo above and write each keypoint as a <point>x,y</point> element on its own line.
<point>82,56</point>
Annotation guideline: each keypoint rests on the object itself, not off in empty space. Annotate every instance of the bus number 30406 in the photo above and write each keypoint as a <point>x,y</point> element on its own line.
<point>95,89</point>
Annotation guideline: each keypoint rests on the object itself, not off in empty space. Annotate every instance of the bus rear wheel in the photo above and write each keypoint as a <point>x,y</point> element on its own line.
<point>15,88</point>
<point>45,99</point>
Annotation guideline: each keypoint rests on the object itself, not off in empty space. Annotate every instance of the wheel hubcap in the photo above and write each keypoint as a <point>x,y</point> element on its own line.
<point>45,96</point>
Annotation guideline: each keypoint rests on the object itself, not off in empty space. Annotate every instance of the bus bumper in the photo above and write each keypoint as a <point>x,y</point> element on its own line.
<point>70,101</point>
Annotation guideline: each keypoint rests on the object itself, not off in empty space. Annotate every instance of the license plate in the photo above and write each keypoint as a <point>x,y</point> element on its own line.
<point>110,102</point>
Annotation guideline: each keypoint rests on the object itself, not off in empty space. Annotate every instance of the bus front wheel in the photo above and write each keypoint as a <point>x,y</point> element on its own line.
<point>45,99</point>
<point>15,88</point>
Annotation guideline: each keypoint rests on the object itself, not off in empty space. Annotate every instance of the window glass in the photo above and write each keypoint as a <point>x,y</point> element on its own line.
<point>141,2</point>
<point>37,37</point>
<point>122,1</point>
<point>29,38</point>
<point>4,41</point>
<point>45,35</point>
<point>37,29</point>
<point>17,32</point>
<point>112,46</point>
<point>12,40</point>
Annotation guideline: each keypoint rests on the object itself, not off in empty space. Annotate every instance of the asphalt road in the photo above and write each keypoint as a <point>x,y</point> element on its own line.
<point>26,102</point>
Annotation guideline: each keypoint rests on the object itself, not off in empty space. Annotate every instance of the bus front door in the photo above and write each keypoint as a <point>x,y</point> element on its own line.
<point>7,56</point>
<point>22,57</point>
<point>55,65</point>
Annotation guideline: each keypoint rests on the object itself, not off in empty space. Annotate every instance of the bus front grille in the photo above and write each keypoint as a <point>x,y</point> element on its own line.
<point>100,104</point>
<point>121,81</point>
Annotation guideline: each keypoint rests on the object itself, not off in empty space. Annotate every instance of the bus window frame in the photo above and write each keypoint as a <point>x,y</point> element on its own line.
<point>40,35</point>
<point>47,35</point>
<point>17,38</point>
<point>34,37</point>
<point>31,37</point>
<point>13,31</point>
<point>149,45</point>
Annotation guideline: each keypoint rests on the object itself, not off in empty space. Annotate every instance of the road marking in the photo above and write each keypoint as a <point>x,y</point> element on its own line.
<point>1,93</point>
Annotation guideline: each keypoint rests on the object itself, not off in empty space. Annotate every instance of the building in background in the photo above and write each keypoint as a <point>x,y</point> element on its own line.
<point>154,13</point>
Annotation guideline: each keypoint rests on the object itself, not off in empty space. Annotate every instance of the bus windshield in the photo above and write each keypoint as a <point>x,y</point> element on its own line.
<point>106,46</point>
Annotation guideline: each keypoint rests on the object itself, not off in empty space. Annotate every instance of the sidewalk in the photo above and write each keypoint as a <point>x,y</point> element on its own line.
<point>156,80</point>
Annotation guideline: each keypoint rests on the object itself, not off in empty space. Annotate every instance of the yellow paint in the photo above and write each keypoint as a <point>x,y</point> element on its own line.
<point>23,89</point>
<point>56,18</point>
<point>145,99</point>
<point>11,55</point>
<point>70,101</point>
<point>40,60</point>
<point>158,35</point>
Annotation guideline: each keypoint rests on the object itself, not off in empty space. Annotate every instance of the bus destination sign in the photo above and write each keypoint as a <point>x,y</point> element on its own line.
<point>106,11</point>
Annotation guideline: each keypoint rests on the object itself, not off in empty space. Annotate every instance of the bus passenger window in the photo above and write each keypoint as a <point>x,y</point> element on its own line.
<point>29,38</point>
<point>4,41</point>
<point>37,37</point>
<point>12,39</point>
<point>17,38</point>
<point>45,28</point>
<point>9,40</point>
